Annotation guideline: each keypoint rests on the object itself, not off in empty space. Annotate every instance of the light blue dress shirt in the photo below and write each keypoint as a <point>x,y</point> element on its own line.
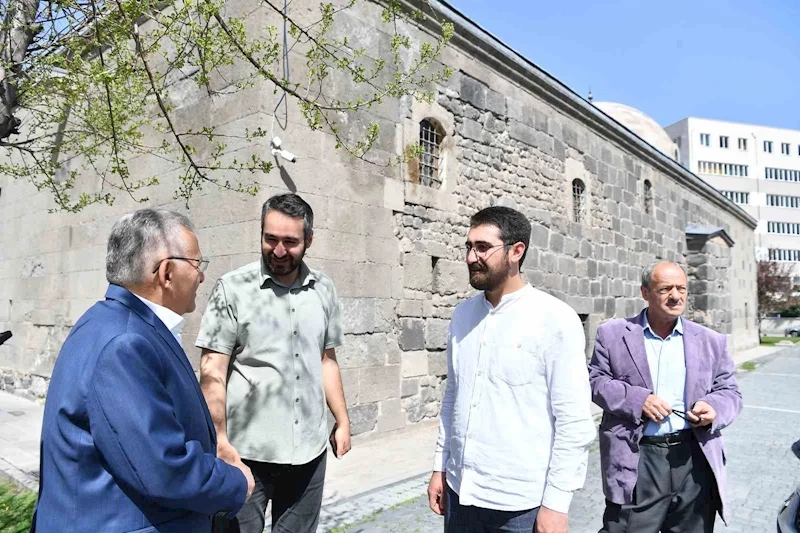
<point>665,358</point>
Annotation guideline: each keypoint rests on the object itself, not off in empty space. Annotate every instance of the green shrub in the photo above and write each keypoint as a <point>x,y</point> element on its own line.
<point>16,509</point>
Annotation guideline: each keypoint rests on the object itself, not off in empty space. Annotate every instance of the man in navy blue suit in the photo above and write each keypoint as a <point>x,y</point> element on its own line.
<point>128,444</point>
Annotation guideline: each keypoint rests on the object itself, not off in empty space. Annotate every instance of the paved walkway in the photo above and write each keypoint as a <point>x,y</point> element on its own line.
<point>379,473</point>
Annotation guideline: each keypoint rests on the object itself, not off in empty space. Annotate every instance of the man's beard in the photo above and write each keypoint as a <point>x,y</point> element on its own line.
<point>282,268</point>
<point>483,278</point>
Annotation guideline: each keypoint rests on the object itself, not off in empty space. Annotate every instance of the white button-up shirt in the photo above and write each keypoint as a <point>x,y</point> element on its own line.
<point>515,423</point>
<point>168,317</point>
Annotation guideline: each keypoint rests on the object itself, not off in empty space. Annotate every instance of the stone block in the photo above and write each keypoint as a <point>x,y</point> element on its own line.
<point>417,272</point>
<point>391,416</point>
<point>410,387</point>
<point>361,351</point>
<point>363,418</point>
<point>556,242</point>
<point>414,364</point>
<point>436,331</point>
<point>522,133</point>
<point>473,92</point>
<point>471,129</point>
<point>358,315</point>
<point>410,308</point>
<point>412,334</point>
<point>706,272</point>
<point>540,237</point>
<point>495,102</point>
<point>450,277</point>
<point>437,363</point>
<point>350,385</point>
<point>378,383</point>
<point>393,195</point>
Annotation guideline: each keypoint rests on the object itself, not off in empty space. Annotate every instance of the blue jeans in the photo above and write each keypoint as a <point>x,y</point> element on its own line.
<point>467,519</point>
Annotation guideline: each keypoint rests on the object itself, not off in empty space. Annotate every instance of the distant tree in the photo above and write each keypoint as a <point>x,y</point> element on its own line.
<point>775,288</point>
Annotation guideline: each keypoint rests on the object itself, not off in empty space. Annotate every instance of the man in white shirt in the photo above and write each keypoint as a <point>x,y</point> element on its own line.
<point>515,423</point>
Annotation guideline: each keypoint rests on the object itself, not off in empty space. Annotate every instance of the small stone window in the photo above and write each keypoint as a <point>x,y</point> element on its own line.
<point>648,197</point>
<point>578,199</point>
<point>431,134</point>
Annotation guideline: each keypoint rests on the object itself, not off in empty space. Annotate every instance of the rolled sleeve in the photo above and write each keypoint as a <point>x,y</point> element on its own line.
<point>334,333</point>
<point>219,325</point>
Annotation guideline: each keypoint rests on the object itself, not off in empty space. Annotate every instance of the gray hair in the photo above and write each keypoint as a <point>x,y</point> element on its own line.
<point>647,272</point>
<point>139,240</point>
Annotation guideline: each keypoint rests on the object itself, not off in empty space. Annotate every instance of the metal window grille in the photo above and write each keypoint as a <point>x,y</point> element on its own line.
<point>648,197</point>
<point>578,190</point>
<point>430,140</point>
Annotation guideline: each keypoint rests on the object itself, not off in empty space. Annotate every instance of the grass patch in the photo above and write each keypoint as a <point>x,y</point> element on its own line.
<point>749,366</point>
<point>769,341</point>
<point>372,516</point>
<point>16,508</point>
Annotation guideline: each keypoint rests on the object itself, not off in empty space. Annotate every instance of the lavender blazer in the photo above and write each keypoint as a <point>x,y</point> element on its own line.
<point>621,381</point>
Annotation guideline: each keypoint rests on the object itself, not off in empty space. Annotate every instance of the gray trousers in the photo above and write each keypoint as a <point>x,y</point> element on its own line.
<point>675,493</point>
<point>296,494</point>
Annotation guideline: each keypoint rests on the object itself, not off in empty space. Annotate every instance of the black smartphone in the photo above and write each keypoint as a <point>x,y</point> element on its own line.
<point>332,439</point>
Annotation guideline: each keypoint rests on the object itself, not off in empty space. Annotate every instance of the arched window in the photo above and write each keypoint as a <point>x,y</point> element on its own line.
<point>431,134</point>
<point>578,199</point>
<point>648,197</point>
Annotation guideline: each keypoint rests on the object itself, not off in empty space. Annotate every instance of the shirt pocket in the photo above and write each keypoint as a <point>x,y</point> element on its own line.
<point>516,363</point>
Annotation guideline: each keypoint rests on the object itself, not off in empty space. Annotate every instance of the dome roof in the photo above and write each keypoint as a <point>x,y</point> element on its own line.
<point>642,125</point>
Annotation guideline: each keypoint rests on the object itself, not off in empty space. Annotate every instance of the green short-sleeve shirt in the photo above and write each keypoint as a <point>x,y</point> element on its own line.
<point>276,410</point>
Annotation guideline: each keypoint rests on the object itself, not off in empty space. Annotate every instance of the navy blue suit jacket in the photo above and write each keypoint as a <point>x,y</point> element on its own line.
<point>128,444</point>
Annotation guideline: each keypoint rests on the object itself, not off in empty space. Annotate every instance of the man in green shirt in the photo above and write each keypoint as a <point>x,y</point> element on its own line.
<point>268,339</point>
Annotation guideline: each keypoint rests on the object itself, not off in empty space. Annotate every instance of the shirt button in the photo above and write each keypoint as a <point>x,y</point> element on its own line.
<point>297,355</point>
<point>480,372</point>
<point>474,404</point>
<point>296,422</point>
<point>292,310</point>
<point>298,378</point>
<point>295,333</point>
<point>297,400</point>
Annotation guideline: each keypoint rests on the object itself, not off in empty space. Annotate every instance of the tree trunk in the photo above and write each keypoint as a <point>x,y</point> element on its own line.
<point>16,36</point>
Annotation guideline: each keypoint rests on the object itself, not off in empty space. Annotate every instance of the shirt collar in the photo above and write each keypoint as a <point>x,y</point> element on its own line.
<point>170,318</point>
<point>677,330</point>
<point>306,277</point>
<point>507,299</point>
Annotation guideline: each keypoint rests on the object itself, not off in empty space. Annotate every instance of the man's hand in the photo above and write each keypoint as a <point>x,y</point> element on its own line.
<point>701,414</point>
<point>549,521</point>
<point>436,494</point>
<point>251,483</point>
<point>656,409</point>
<point>227,452</point>
<point>341,436</point>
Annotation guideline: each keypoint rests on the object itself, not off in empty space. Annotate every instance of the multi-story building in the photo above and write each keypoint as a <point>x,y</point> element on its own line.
<point>756,167</point>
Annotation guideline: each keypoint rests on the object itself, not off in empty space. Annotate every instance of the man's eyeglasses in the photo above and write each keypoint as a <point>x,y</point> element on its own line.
<point>681,414</point>
<point>481,248</point>
<point>201,266</point>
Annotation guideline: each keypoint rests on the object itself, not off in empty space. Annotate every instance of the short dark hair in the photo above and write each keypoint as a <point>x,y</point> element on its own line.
<point>291,205</point>
<point>514,226</point>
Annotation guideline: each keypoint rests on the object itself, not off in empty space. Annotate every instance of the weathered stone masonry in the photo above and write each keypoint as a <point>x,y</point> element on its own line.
<point>394,247</point>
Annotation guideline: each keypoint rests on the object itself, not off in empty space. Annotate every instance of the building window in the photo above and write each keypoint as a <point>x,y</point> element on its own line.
<point>578,199</point>
<point>777,254</point>
<point>705,139</point>
<point>777,200</point>
<point>781,174</point>
<point>723,141</point>
<point>742,144</point>
<point>768,146</point>
<point>783,228</point>
<point>430,142</point>
<point>741,198</point>
<point>648,197</point>
<point>785,149</point>
<point>722,169</point>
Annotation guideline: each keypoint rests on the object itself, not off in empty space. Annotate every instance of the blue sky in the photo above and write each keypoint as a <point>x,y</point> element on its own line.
<point>736,60</point>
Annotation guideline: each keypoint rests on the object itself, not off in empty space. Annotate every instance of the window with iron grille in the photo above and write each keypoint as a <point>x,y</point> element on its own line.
<point>578,194</point>
<point>430,140</point>
<point>648,197</point>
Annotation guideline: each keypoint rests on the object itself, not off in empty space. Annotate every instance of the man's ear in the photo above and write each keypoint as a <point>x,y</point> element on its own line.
<point>309,241</point>
<point>166,272</point>
<point>517,250</point>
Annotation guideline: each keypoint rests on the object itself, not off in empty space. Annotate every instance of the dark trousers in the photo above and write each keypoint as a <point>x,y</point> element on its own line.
<point>296,494</point>
<point>675,493</point>
<point>467,519</point>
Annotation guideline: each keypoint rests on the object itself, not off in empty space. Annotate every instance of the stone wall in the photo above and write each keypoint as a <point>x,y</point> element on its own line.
<point>514,136</point>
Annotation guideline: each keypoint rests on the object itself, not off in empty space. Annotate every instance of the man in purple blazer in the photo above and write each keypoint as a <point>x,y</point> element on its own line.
<point>667,388</point>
